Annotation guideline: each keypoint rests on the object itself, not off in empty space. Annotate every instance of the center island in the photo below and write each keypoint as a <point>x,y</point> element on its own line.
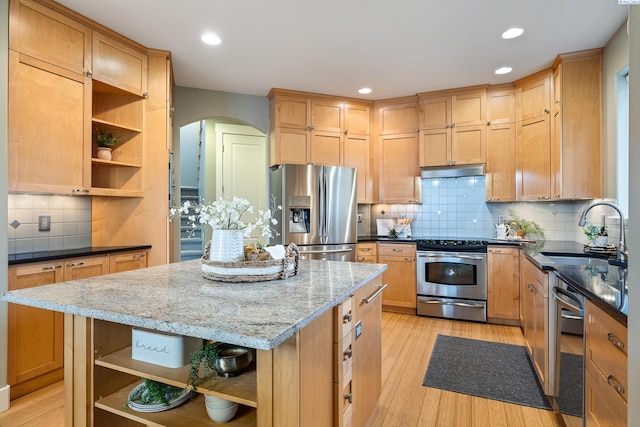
<point>316,335</point>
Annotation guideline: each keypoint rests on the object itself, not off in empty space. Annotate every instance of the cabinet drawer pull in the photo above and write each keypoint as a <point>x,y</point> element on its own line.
<point>361,258</point>
<point>365,249</point>
<point>349,397</point>
<point>397,250</point>
<point>614,340</point>
<point>50,267</point>
<point>75,264</point>
<point>531,287</point>
<point>347,318</point>
<point>375,294</point>
<point>138,256</point>
<point>347,354</point>
<point>613,382</point>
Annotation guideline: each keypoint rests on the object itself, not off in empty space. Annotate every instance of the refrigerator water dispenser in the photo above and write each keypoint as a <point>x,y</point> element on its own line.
<point>299,220</point>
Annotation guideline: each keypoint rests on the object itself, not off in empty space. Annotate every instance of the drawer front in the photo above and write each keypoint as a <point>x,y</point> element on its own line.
<point>343,357</point>
<point>344,399</point>
<point>606,349</point>
<point>603,405</point>
<point>343,320</point>
<point>366,258</point>
<point>366,249</point>
<point>403,250</point>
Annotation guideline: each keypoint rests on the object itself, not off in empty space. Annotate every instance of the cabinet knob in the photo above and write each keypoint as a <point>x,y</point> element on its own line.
<point>347,354</point>
<point>349,397</point>
<point>347,318</point>
<point>89,73</point>
<point>488,123</point>
<point>80,190</point>
<point>145,94</point>
<point>613,382</point>
<point>453,124</point>
<point>346,132</point>
<point>546,111</point>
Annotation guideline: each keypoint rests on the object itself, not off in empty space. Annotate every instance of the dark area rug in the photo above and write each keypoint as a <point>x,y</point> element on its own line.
<point>500,372</point>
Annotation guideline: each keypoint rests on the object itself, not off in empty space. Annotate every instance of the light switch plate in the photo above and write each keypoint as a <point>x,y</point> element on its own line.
<point>44,223</point>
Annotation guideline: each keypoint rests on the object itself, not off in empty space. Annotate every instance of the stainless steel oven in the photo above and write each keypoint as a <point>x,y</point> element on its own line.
<point>451,279</point>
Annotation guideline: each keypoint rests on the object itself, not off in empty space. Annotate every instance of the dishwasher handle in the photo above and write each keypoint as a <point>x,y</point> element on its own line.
<point>577,309</point>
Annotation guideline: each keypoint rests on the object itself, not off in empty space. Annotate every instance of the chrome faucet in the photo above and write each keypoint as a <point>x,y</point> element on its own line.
<point>622,246</point>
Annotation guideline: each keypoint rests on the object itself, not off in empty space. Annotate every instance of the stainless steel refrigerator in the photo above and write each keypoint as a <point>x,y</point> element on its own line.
<point>318,210</point>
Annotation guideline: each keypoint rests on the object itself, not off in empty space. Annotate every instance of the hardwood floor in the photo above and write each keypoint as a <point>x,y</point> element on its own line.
<point>407,342</point>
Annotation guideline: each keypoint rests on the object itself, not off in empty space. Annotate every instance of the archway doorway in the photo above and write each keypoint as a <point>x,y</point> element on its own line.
<point>218,158</point>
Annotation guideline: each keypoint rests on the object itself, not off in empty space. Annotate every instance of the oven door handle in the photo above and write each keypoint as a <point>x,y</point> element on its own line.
<point>572,308</point>
<point>459,304</point>
<point>452,256</point>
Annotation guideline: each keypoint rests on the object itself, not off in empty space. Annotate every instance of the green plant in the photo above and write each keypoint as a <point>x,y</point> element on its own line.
<point>155,392</point>
<point>204,356</point>
<point>106,139</point>
<point>528,227</point>
<point>591,230</point>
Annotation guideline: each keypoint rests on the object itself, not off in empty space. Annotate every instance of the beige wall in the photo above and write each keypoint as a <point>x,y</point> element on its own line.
<point>615,58</point>
<point>4,53</point>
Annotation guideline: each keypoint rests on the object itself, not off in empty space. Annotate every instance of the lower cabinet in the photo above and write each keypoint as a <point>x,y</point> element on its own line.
<point>35,336</point>
<point>366,252</point>
<point>606,363</point>
<point>400,275</point>
<point>534,292</point>
<point>127,261</point>
<point>503,267</point>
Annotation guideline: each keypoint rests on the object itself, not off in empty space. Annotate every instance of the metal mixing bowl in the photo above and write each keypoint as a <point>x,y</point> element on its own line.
<point>232,360</point>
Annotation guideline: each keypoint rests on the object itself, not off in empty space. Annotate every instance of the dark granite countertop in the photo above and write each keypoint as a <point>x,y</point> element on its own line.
<point>27,257</point>
<point>604,285</point>
<point>386,239</point>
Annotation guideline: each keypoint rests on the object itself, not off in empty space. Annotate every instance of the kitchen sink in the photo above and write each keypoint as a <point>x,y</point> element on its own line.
<point>577,260</point>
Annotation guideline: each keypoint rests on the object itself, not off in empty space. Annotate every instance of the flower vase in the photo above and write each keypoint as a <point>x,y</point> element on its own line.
<point>227,246</point>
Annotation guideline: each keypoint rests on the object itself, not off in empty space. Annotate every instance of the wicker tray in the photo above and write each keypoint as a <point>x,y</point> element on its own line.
<point>251,271</point>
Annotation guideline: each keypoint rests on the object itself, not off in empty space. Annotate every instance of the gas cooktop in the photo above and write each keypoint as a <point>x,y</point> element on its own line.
<point>452,244</point>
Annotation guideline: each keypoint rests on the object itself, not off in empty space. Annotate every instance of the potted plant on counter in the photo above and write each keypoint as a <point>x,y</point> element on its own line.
<point>105,141</point>
<point>523,227</point>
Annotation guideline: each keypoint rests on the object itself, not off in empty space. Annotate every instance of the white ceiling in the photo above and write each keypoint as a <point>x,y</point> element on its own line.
<point>396,47</point>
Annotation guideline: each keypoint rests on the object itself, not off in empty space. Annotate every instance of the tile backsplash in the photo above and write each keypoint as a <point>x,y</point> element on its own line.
<point>70,222</point>
<point>456,207</point>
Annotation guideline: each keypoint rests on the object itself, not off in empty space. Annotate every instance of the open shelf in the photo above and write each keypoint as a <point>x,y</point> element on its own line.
<point>191,413</point>
<point>241,389</point>
<point>115,126</point>
<point>114,163</point>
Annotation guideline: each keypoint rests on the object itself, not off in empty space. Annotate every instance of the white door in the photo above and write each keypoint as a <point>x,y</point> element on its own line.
<point>244,167</point>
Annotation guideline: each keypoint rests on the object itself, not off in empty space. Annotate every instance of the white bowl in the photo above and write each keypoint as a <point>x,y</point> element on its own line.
<point>222,415</point>
<point>217,402</point>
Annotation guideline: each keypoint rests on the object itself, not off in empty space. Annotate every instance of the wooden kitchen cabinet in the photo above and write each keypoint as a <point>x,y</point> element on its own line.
<point>119,65</point>
<point>399,173</point>
<point>399,116</point>
<point>366,252</point>
<point>357,149</point>
<point>453,127</point>
<point>126,261</point>
<point>535,294</point>
<point>606,364</point>
<point>503,271</point>
<point>576,144</point>
<point>82,268</point>
<point>501,144</point>
<point>400,275</point>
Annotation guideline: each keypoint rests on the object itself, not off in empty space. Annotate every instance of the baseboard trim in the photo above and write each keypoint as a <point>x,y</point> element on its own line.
<point>4,398</point>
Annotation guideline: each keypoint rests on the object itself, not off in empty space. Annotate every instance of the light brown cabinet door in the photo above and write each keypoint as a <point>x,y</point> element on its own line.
<point>469,109</point>
<point>435,113</point>
<point>535,98</point>
<point>435,147</point>
<point>35,336</point>
<point>501,106</point>
<point>534,160</point>
<point>83,268</point>
<point>357,155</point>
<point>41,33</point>
<point>400,274</point>
<point>468,145</point>
<point>357,119</point>
<point>399,180</point>
<point>503,268</point>
<point>127,261</point>
<point>325,148</point>
<point>291,112</point>
<point>326,115</point>
<point>291,146</point>
<point>501,162</point>
<point>398,118</point>
<point>119,65</point>
<point>49,132</point>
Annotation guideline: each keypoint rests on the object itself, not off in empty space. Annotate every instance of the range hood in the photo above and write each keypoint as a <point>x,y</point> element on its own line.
<point>452,171</point>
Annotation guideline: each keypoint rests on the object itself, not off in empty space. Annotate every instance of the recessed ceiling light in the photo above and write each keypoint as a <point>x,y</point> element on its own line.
<point>364,90</point>
<point>503,70</point>
<point>512,33</point>
<point>211,39</point>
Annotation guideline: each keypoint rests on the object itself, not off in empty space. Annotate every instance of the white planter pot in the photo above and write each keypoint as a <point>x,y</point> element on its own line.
<point>227,246</point>
<point>601,240</point>
<point>104,153</point>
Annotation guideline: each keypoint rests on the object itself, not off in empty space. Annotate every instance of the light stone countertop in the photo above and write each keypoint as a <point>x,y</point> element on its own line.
<point>176,298</point>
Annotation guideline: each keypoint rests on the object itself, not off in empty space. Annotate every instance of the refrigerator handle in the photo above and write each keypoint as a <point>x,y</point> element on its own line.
<point>322,205</point>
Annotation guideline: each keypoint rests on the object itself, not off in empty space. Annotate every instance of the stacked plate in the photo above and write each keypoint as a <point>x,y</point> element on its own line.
<point>138,405</point>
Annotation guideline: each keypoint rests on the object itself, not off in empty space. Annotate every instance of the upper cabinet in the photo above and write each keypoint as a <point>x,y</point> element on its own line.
<point>323,130</point>
<point>559,140</point>
<point>501,144</point>
<point>576,147</point>
<point>119,65</point>
<point>49,101</point>
<point>453,127</point>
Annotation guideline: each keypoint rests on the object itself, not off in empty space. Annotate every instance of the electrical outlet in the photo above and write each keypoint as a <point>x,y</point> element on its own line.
<point>359,218</point>
<point>44,223</point>
<point>501,219</point>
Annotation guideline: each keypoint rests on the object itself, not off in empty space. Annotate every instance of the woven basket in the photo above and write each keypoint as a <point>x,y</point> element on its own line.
<point>251,271</point>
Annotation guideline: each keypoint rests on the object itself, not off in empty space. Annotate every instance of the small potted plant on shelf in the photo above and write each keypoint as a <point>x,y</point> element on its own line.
<point>205,357</point>
<point>597,235</point>
<point>523,227</point>
<point>105,141</point>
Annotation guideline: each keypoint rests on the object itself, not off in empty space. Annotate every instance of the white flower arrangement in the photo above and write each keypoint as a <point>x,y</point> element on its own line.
<point>227,215</point>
